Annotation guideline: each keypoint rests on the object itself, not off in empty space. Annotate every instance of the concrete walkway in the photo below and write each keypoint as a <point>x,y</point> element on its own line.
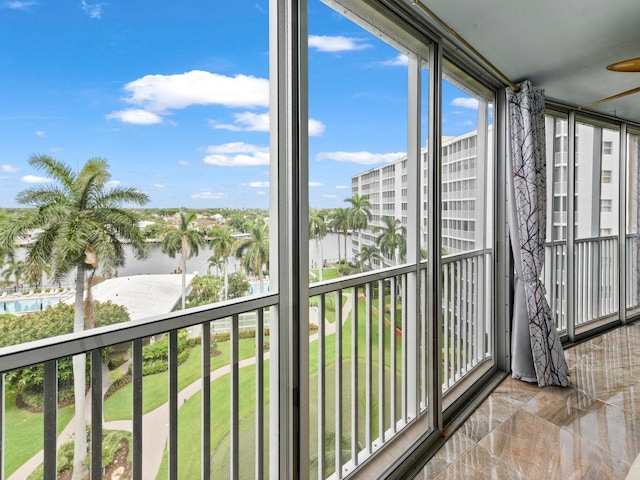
<point>155,423</point>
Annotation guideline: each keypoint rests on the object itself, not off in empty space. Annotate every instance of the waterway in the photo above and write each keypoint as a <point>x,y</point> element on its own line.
<point>160,263</point>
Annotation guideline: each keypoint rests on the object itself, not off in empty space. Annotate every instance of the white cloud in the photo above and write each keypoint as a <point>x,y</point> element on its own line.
<point>364,158</point>
<point>326,43</point>
<point>240,160</point>
<point>159,185</point>
<point>8,168</point>
<point>259,122</point>
<point>246,121</point>
<point>92,10</point>
<point>136,116</point>
<point>256,184</point>
<point>160,93</point>
<point>112,183</point>
<point>465,102</point>
<point>329,195</point>
<point>401,60</point>
<point>316,128</point>
<point>34,179</point>
<point>40,133</point>
<point>17,5</point>
<point>207,195</point>
<point>236,147</point>
<point>316,184</point>
<point>342,187</point>
<point>260,192</point>
<point>237,154</point>
<point>183,163</point>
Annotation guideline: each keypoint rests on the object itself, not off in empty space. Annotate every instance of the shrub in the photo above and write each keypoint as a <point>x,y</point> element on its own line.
<point>50,322</point>
<point>115,362</point>
<point>116,375</point>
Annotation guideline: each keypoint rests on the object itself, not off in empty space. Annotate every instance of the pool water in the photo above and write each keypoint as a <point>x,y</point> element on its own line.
<point>30,305</point>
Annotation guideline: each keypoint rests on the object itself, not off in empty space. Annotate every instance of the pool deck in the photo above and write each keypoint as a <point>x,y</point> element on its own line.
<point>142,295</point>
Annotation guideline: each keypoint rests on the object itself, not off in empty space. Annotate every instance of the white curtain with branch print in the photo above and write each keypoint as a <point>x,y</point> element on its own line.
<point>536,353</point>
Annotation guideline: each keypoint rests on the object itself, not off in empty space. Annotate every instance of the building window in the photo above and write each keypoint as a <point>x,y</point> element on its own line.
<point>605,205</point>
<point>606,175</point>
<point>607,148</point>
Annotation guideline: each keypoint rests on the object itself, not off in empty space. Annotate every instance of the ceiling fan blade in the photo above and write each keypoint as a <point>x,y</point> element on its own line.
<point>631,65</point>
<point>613,97</point>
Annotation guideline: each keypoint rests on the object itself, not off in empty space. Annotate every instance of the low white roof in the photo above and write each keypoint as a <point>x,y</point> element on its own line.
<point>142,295</point>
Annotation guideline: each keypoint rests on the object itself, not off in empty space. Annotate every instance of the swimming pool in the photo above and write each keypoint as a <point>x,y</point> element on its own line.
<point>30,305</point>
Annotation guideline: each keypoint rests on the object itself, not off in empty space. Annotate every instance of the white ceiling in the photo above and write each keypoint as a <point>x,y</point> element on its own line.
<point>562,46</point>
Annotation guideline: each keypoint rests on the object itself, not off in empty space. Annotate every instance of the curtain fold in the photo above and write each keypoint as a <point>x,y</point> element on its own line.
<point>537,354</point>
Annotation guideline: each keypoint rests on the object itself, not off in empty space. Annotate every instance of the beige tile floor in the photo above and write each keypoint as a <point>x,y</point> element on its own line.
<point>590,430</point>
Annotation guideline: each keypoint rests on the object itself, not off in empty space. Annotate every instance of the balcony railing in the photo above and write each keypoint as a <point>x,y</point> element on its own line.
<point>368,375</point>
<point>152,432</point>
<point>596,286</point>
<point>467,327</point>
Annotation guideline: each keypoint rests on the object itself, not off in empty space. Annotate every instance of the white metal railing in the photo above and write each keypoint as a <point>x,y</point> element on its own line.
<point>466,326</point>
<point>368,369</point>
<point>632,243</point>
<point>596,278</point>
<point>595,284</point>
<point>92,342</point>
<point>362,390</point>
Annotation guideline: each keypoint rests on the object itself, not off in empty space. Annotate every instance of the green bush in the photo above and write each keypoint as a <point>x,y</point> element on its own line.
<point>155,356</point>
<point>115,362</point>
<point>116,375</point>
<point>52,321</point>
<point>225,337</point>
<point>112,442</point>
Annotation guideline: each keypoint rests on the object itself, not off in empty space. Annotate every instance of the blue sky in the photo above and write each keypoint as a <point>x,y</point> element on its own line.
<point>175,96</point>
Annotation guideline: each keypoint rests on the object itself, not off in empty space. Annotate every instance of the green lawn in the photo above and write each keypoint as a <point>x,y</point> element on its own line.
<point>23,432</point>
<point>155,387</point>
<point>189,455</point>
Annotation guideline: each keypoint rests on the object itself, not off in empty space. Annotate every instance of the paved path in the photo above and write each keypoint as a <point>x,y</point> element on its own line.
<point>155,423</point>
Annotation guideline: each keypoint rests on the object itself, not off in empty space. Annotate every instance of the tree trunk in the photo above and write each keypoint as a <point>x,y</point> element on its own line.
<point>345,253</point>
<point>319,250</point>
<point>226,279</point>
<point>79,384</point>
<point>183,266</point>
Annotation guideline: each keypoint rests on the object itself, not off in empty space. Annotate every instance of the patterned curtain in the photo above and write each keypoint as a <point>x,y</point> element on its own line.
<point>537,354</point>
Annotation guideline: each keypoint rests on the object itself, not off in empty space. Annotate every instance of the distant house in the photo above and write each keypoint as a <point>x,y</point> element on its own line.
<point>203,224</point>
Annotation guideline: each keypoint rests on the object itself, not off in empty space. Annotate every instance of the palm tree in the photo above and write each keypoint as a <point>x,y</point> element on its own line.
<point>318,230</point>
<point>222,245</point>
<point>15,268</point>
<point>185,241</point>
<point>366,255</point>
<point>35,272</point>
<point>253,251</point>
<point>80,225</point>
<point>340,224</point>
<point>392,239</point>
<point>359,212</point>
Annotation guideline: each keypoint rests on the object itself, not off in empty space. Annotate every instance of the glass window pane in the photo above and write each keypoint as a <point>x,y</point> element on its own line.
<point>596,221</point>
<point>467,217</point>
<point>357,147</point>
<point>178,113</point>
<point>633,220</point>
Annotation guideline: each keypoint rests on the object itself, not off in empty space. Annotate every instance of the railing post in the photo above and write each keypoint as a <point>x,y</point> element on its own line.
<point>622,259</point>
<point>96,414</point>
<point>571,237</point>
<point>2,422</point>
<point>51,419</point>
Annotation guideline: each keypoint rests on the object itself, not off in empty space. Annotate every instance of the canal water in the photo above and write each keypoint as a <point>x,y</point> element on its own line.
<point>159,263</point>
